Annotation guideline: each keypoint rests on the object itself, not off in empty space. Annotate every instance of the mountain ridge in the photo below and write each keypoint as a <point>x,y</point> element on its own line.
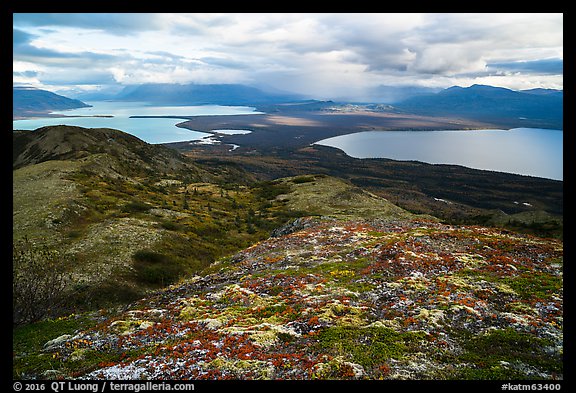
<point>70,142</point>
<point>489,102</point>
<point>29,101</point>
<point>533,107</point>
<point>201,94</point>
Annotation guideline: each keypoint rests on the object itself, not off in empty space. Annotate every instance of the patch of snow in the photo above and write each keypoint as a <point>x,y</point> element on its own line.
<point>232,132</point>
<point>207,140</point>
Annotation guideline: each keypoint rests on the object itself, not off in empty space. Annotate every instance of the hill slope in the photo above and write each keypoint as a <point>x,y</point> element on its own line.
<point>97,197</point>
<point>72,143</point>
<point>129,216</point>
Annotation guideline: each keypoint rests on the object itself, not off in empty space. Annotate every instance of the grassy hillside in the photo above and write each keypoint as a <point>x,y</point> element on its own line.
<point>132,261</point>
<point>126,217</point>
<point>452,193</point>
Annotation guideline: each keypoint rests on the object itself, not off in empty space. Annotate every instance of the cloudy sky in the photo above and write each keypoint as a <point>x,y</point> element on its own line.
<point>320,55</point>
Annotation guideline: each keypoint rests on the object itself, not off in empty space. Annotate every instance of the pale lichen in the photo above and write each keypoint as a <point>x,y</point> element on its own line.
<point>338,368</point>
<point>257,369</point>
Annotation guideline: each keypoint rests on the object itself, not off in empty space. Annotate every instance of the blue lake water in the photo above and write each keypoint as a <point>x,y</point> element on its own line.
<point>151,130</point>
<point>525,151</point>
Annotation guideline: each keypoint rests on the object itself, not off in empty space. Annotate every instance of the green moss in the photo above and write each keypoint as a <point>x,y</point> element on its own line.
<point>494,372</point>
<point>521,308</point>
<point>188,313</point>
<point>487,352</point>
<point>125,327</point>
<point>535,285</point>
<point>529,285</point>
<point>265,339</point>
<point>360,286</point>
<point>27,343</point>
<point>370,346</point>
<point>269,311</point>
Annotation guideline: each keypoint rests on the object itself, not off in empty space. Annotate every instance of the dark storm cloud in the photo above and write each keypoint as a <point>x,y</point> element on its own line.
<point>24,50</point>
<point>20,37</point>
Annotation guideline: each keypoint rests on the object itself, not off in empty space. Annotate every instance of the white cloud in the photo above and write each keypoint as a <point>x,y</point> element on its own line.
<point>448,59</point>
<point>23,66</point>
<point>141,72</point>
<point>308,53</point>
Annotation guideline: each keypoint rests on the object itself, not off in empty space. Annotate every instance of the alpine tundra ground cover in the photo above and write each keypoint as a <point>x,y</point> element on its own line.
<point>333,299</point>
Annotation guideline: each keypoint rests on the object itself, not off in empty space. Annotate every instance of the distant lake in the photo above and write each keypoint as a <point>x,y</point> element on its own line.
<point>151,130</point>
<point>526,151</point>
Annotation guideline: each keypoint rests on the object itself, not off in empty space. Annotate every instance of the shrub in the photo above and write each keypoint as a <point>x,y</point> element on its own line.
<point>40,276</point>
<point>171,225</point>
<point>268,190</point>
<point>156,268</point>
<point>303,179</point>
<point>135,207</point>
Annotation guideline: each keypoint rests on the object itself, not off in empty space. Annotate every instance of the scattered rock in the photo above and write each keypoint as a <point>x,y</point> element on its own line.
<point>57,342</point>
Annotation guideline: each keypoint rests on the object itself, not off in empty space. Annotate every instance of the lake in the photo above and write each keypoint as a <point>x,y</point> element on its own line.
<point>151,130</point>
<point>524,151</point>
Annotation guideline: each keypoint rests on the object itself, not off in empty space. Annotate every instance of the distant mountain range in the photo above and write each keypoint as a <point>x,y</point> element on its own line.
<point>29,101</point>
<point>534,108</point>
<point>195,94</point>
<point>539,107</point>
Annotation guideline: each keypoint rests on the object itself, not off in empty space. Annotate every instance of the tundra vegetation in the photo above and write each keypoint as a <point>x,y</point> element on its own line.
<point>208,272</point>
